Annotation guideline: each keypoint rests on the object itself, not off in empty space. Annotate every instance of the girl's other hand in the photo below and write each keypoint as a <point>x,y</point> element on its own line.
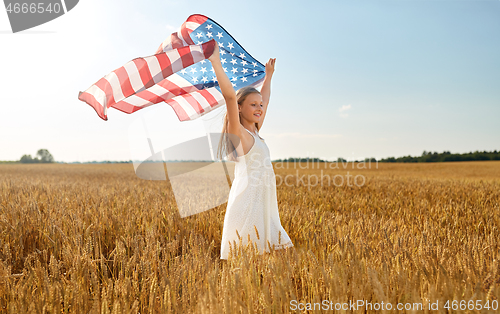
<point>215,55</point>
<point>270,66</point>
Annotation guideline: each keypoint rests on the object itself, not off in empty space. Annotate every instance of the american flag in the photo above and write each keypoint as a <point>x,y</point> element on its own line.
<point>178,74</point>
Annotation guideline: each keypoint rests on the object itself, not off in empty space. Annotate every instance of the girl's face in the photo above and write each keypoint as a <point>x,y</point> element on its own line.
<point>251,109</point>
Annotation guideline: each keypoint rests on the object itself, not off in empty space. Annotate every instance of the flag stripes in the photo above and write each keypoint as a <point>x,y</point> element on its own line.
<point>177,74</point>
<point>128,86</point>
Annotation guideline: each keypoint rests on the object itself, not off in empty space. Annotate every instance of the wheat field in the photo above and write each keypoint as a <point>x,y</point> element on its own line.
<point>94,238</point>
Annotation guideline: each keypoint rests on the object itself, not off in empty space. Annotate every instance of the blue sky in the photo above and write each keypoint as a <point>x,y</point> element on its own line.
<point>353,79</point>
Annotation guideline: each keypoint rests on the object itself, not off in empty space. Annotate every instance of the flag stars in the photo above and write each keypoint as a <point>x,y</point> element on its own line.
<point>239,66</point>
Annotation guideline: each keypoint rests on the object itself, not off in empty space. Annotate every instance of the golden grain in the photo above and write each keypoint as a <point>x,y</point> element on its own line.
<point>96,239</point>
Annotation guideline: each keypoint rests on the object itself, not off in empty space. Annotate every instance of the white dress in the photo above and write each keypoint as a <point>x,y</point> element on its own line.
<point>252,202</point>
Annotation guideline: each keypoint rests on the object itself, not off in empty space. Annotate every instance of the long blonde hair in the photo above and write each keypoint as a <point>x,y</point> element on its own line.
<point>226,146</point>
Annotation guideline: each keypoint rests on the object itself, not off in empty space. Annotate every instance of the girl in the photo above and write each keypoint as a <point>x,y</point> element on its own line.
<point>252,208</point>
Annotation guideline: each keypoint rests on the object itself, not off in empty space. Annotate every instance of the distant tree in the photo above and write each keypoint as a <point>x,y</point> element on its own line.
<point>45,156</point>
<point>27,159</point>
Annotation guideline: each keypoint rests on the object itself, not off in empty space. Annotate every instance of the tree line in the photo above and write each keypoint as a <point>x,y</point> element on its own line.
<point>446,156</point>
<point>425,157</point>
<point>42,156</point>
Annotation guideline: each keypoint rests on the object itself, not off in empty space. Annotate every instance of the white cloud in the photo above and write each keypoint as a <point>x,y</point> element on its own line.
<point>342,109</point>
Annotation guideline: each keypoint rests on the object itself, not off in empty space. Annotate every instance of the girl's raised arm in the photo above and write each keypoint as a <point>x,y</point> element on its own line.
<point>266,89</point>
<point>227,91</point>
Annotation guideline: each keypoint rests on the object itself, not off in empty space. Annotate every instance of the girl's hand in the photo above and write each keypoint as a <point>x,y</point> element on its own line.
<point>270,66</point>
<point>215,56</point>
